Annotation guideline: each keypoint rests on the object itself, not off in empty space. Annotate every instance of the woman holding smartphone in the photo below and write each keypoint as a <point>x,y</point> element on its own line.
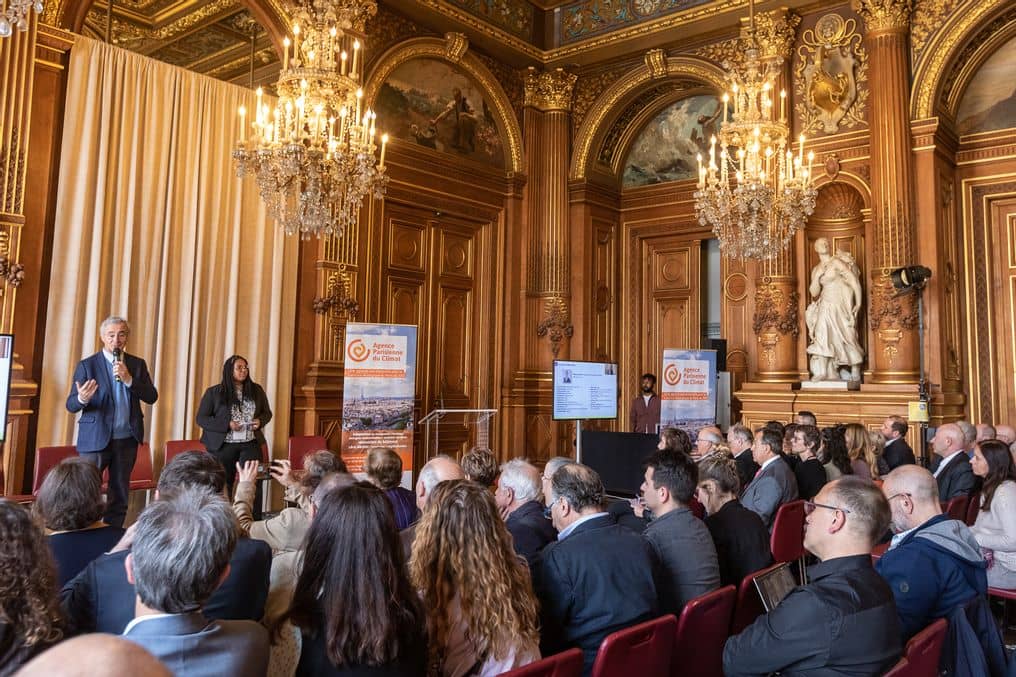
<point>232,415</point>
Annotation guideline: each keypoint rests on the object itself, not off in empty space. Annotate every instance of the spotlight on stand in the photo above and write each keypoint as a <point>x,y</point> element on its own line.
<point>910,278</point>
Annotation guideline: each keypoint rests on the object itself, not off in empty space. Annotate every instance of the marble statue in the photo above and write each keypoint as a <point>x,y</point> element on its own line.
<point>832,316</point>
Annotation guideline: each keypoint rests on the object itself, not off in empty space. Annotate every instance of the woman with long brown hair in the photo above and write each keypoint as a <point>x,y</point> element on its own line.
<point>30,618</point>
<point>861,452</point>
<point>477,593</point>
<point>995,528</point>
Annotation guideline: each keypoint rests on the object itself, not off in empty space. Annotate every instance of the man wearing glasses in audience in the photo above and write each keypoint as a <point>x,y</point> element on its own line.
<point>843,620</point>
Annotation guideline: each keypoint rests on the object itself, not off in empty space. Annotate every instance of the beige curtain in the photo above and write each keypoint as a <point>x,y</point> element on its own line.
<point>152,224</point>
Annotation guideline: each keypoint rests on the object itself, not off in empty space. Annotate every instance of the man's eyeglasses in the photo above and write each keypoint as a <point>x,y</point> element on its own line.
<point>809,507</point>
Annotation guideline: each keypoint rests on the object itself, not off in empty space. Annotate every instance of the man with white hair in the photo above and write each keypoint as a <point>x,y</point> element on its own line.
<point>549,469</point>
<point>969,436</point>
<point>435,471</point>
<point>705,443</point>
<point>518,497</point>
<point>1005,433</point>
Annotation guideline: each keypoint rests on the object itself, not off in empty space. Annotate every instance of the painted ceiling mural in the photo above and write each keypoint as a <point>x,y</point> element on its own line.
<point>989,103</point>
<point>586,18</point>
<point>666,149</point>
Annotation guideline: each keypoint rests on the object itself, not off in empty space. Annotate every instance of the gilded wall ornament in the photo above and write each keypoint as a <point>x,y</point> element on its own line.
<point>339,302</point>
<point>556,324</point>
<point>656,59</point>
<point>11,271</point>
<point>890,312</point>
<point>549,90</point>
<point>12,174</point>
<point>775,32</point>
<point>775,310</point>
<point>830,69</point>
<point>928,17</point>
<point>884,15</point>
<point>726,51</point>
<point>456,45</point>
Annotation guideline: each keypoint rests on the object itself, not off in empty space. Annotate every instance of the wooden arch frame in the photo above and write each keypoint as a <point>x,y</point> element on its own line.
<point>615,98</point>
<point>443,50</point>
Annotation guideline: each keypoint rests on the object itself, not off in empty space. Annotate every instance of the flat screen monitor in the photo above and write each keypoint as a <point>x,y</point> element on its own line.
<point>584,390</point>
<point>6,359</point>
<point>618,458</point>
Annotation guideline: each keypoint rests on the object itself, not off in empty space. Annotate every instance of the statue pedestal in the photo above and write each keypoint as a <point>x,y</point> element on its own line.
<point>841,386</point>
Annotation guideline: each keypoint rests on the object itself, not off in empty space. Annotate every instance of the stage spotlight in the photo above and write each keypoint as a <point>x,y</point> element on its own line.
<point>910,277</point>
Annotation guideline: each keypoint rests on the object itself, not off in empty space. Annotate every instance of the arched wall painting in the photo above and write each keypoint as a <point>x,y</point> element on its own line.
<point>990,100</point>
<point>666,149</point>
<point>436,105</point>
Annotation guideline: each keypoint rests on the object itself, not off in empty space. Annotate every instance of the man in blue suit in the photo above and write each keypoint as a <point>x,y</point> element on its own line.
<point>109,388</point>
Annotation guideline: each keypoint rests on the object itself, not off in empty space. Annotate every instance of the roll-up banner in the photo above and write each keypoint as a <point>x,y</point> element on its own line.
<point>378,393</point>
<point>688,391</point>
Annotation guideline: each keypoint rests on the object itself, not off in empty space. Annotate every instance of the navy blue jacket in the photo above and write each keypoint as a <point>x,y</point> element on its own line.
<point>530,530</point>
<point>95,425</point>
<point>937,567</point>
<point>100,598</point>
<point>597,580</point>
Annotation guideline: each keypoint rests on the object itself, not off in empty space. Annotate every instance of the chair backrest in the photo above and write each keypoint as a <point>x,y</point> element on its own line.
<point>301,445</point>
<point>642,649</point>
<point>787,539</point>
<point>749,604</point>
<point>702,631</point>
<point>176,447</point>
<point>973,507</point>
<point>142,472</point>
<point>901,669</point>
<point>925,648</point>
<point>565,664</point>
<point>956,508</point>
<point>47,458</point>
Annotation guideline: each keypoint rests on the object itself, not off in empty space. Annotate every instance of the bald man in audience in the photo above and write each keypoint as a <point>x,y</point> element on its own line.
<point>436,470</point>
<point>706,442</point>
<point>1005,433</point>
<point>95,654</point>
<point>842,622</point>
<point>934,563</point>
<point>951,466</point>
<point>985,431</point>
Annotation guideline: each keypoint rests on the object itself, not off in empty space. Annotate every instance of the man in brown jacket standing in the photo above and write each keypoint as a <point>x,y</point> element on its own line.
<point>645,408</point>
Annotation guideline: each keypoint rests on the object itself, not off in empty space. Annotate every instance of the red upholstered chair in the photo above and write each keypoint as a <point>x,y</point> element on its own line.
<point>749,604</point>
<point>301,445</point>
<point>787,540</point>
<point>956,508</point>
<point>642,649</point>
<point>176,447</point>
<point>973,507</point>
<point>701,632</point>
<point>922,653</point>
<point>1006,596</point>
<point>47,458</point>
<point>565,664</point>
<point>142,476</point>
<point>878,551</point>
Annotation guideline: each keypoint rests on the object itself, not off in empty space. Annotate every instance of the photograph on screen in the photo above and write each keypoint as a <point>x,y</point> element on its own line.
<point>584,390</point>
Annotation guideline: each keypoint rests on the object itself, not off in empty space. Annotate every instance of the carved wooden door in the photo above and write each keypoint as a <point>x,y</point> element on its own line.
<point>1001,213</point>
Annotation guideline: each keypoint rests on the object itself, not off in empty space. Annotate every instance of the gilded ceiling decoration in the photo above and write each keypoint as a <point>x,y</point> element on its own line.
<point>830,72</point>
<point>514,16</point>
<point>586,18</point>
<point>927,18</point>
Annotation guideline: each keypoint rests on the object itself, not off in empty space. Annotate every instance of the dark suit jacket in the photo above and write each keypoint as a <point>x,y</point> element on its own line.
<point>214,416</point>
<point>530,530</point>
<point>642,418</point>
<point>190,644</point>
<point>100,599</point>
<point>811,477</point>
<point>774,486</point>
<point>95,425</point>
<point>898,453</point>
<point>746,467</point>
<point>741,540</point>
<point>597,580</point>
<point>957,479</point>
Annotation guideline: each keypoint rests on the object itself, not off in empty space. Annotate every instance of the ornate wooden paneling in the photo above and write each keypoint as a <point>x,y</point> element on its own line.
<point>672,299</point>
<point>604,290</point>
<point>406,247</point>
<point>454,337</point>
<point>1002,216</point>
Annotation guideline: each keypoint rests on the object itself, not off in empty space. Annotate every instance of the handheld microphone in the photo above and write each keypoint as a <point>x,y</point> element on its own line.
<point>117,357</point>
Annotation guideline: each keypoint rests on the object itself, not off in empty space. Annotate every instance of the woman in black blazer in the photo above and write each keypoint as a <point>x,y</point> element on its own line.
<point>232,416</point>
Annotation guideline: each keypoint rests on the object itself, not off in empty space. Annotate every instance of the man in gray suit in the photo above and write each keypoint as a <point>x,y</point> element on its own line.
<point>774,483</point>
<point>181,552</point>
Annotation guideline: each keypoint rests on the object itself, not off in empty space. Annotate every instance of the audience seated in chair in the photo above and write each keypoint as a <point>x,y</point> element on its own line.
<point>707,442</point>
<point>353,603</point>
<point>101,599</point>
<point>809,472</point>
<point>861,452</point>
<point>740,537</point>
<point>681,543</point>
<point>597,577</point>
<point>774,483</point>
<point>549,469</point>
<point>180,554</point>
<point>480,466</point>
<point>934,564</point>
<point>985,431</point>
<point>833,452</point>
<point>384,470</point>
<point>896,452</point>
<point>843,620</point>
<point>436,470</point>
<point>463,553</point>
<point>95,654</point>
<point>740,439</point>
<point>518,497</point>
<point>70,506</point>
<point>995,528</point>
<point>969,431</point>
<point>284,532</point>
<point>30,618</point>
<point>951,465</point>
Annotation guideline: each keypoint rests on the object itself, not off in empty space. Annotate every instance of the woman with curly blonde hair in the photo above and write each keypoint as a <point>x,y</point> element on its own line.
<point>861,452</point>
<point>30,619</point>
<point>477,593</point>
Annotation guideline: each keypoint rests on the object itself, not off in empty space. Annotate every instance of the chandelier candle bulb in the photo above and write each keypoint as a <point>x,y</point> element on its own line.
<point>726,100</point>
<point>342,57</point>
<point>384,146</point>
<point>296,44</point>
<point>356,53</point>
<point>783,105</point>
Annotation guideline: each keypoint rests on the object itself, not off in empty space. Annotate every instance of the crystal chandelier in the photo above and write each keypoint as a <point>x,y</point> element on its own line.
<point>772,195</point>
<point>313,154</point>
<point>15,15</point>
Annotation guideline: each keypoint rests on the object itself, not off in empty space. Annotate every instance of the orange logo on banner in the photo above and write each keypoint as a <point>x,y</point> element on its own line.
<point>357,351</point>
<point>672,375</point>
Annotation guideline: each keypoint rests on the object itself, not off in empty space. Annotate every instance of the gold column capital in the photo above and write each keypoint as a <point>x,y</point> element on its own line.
<point>656,61</point>
<point>884,15</point>
<point>550,90</point>
<point>775,32</point>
